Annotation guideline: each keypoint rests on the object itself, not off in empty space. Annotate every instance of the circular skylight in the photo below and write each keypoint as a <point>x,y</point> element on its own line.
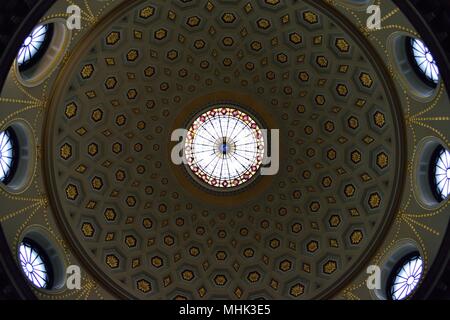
<point>424,61</point>
<point>224,147</point>
<point>442,173</point>
<point>406,277</point>
<point>7,156</point>
<point>34,265</point>
<point>33,44</point>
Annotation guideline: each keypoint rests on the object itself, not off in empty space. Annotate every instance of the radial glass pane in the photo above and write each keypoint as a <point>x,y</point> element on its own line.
<point>32,44</point>
<point>224,147</point>
<point>6,155</point>
<point>33,265</point>
<point>424,60</point>
<point>442,173</point>
<point>407,278</point>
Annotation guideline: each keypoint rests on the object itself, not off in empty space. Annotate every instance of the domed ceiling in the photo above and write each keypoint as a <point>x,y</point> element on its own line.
<point>104,189</point>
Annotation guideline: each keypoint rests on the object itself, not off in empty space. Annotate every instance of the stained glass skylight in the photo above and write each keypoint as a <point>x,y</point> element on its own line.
<point>224,147</point>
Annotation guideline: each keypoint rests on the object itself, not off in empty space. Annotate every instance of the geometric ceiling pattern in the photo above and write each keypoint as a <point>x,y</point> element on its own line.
<point>294,235</point>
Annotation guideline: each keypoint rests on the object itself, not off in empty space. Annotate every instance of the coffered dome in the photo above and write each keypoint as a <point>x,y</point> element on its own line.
<point>350,123</point>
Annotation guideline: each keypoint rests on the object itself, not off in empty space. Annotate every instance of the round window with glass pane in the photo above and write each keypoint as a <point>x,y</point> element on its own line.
<point>224,147</point>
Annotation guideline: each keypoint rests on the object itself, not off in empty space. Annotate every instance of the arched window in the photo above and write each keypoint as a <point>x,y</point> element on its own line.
<point>34,46</point>
<point>35,264</point>
<point>8,155</point>
<point>405,277</point>
<point>440,173</point>
<point>422,61</point>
